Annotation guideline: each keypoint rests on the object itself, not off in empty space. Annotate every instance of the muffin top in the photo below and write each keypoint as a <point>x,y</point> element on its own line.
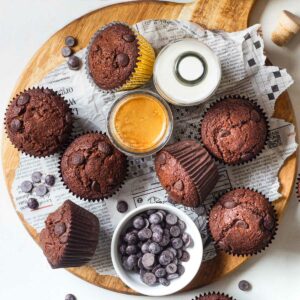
<point>92,168</point>
<point>213,297</point>
<point>234,130</point>
<point>59,235</point>
<point>242,222</point>
<point>38,122</point>
<point>187,172</point>
<point>112,56</point>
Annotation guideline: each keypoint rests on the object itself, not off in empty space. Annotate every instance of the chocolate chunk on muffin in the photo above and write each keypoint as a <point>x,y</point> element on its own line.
<point>39,122</point>
<point>242,222</point>
<point>119,58</point>
<point>186,171</point>
<point>234,130</point>
<point>92,168</point>
<point>70,236</point>
<point>213,296</point>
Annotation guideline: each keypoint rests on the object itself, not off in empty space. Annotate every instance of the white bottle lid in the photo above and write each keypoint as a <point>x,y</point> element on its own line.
<point>187,72</point>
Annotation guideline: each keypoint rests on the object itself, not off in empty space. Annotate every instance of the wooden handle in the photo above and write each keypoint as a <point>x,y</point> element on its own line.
<point>228,15</point>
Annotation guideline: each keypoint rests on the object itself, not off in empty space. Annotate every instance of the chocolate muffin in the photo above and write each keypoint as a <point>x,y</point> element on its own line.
<point>213,296</point>
<point>187,172</point>
<point>38,122</point>
<point>70,237</point>
<point>234,130</point>
<point>119,58</point>
<point>92,168</point>
<point>242,222</point>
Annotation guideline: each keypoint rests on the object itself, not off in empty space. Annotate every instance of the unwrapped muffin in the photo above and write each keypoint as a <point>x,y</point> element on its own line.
<point>186,171</point>
<point>92,168</point>
<point>39,122</point>
<point>118,58</point>
<point>70,237</point>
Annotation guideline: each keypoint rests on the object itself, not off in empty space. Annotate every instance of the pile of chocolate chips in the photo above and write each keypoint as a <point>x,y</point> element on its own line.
<point>74,61</point>
<point>155,247</point>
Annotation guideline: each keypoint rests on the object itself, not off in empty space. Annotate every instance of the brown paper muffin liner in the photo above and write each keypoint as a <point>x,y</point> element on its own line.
<point>83,198</point>
<point>257,106</point>
<point>82,239</point>
<point>236,253</point>
<point>192,159</point>
<point>63,146</point>
<point>199,297</point>
<point>143,70</point>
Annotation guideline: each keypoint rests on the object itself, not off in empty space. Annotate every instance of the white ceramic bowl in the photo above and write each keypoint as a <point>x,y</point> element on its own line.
<point>133,280</point>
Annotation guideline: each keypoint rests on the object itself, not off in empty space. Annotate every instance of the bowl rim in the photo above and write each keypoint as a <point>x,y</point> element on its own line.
<point>148,290</point>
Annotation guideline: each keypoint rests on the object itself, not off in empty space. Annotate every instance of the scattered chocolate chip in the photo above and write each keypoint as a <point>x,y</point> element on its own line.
<point>26,186</point>
<point>59,229</point>
<point>224,133</point>
<point>149,278</point>
<point>229,204</point>
<point>18,110</point>
<point>122,59</point>
<point>32,203</point>
<point>23,99</point>
<point>95,186</point>
<point>178,185</point>
<point>70,297</point>
<point>50,180</point>
<point>70,41</point>
<point>244,285</point>
<point>77,159</point>
<point>41,190</point>
<point>66,51</point>
<point>128,38</point>
<point>36,177</point>
<point>241,224</point>
<point>15,125</point>
<point>105,148</point>
<point>74,62</point>
<point>268,222</point>
<point>122,206</point>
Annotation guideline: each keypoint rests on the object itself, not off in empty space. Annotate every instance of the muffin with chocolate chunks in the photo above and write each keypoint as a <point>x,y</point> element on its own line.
<point>186,171</point>
<point>38,122</point>
<point>234,130</point>
<point>213,296</point>
<point>92,168</point>
<point>70,236</point>
<point>242,222</point>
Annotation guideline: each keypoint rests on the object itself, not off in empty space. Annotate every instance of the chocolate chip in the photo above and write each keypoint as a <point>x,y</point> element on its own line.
<point>180,269</point>
<point>74,62</point>
<point>178,185</point>
<point>247,156</point>
<point>138,222</point>
<point>154,248</point>
<point>244,285</point>
<point>95,186</point>
<point>60,229</point>
<point>224,133</point>
<point>70,41</point>
<point>122,249</point>
<point>241,224</point>
<point>164,281</point>
<point>144,234</point>
<point>18,110</point>
<point>66,51</point>
<point>128,38</point>
<point>77,159</point>
<point>131,249</point>
<point>187,239</point>
<point>166,258</point>
<point>32,203</point>
<point>41,190</point>
<point>50,180</point>
<point>15,125</point>
<point>157,237</point>
<point>157,228</point>
<point>23,99</point>
<point>48,91</point>
<point>131,238</point>
<point>26,186</point>
<point>122,206</point>
<point>36,176</point>
<point>105,148</point>
<point>149,278</point>
<point>160,272</point>
<point>132,261</point>
<point>155,219</point>
<point>175,231</point>
<point>179,253</point>
<point>181,225</point>
<point>177,243</point>
<point>255,116</point>
<point>70,297</point>
<point>161,158</point>
<point>268,222</point>
<point>171,219</point>
<point>185,256</point>
<point>63,238</point>
<point>172,276</point>
<point>122,59</point>
<point>229,204</point>
<point>148,260</point>
<point>171,268</point>
<point>145,247</point>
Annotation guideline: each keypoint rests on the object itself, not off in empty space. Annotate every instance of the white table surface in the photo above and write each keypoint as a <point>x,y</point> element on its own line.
<point>24,272</point>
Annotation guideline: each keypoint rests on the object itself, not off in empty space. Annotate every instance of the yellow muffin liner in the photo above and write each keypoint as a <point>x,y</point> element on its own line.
<point>143,70</point>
